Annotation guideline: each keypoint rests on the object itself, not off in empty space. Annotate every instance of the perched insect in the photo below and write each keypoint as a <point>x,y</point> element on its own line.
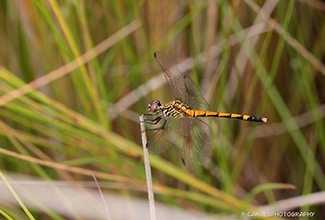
<point>181,117</point>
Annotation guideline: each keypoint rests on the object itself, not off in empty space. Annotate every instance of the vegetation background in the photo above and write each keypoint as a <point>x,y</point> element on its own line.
<point>64,118</point>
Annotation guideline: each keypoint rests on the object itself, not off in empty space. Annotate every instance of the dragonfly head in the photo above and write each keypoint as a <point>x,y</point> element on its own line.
<point>154,107</point>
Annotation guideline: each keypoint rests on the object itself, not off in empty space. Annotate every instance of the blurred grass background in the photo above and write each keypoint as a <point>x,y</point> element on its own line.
<point>252,57</point>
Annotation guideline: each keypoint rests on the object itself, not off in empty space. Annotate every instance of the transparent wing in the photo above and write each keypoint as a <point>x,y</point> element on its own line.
<point>193,96</point>
<point>162,139</point>
<point>172,74</point>
<point>196,144</point>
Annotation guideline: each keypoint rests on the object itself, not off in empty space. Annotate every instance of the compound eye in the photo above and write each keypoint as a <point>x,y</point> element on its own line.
<point>153,107</point>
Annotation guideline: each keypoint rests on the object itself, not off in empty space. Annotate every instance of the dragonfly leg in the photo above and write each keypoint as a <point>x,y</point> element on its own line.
<point>161,127</point>
<point>148,120</point>
<point>152,121</point>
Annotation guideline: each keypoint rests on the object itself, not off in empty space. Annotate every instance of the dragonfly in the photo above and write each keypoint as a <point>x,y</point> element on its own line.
<point>181,117</point>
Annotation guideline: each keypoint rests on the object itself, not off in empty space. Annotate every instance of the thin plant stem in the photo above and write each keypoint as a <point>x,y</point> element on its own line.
<point>102,196</point>
<point>148,170</point>
<point>22,205</point>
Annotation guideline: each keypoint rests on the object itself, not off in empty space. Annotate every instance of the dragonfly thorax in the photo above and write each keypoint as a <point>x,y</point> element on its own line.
<point>174,109</point>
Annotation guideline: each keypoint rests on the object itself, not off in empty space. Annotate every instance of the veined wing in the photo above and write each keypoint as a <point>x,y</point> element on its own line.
<point>193,96</point>
<point>181,85</point>
<point>196,144</point>
<point>172,74</point>
<point>163,138</point>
